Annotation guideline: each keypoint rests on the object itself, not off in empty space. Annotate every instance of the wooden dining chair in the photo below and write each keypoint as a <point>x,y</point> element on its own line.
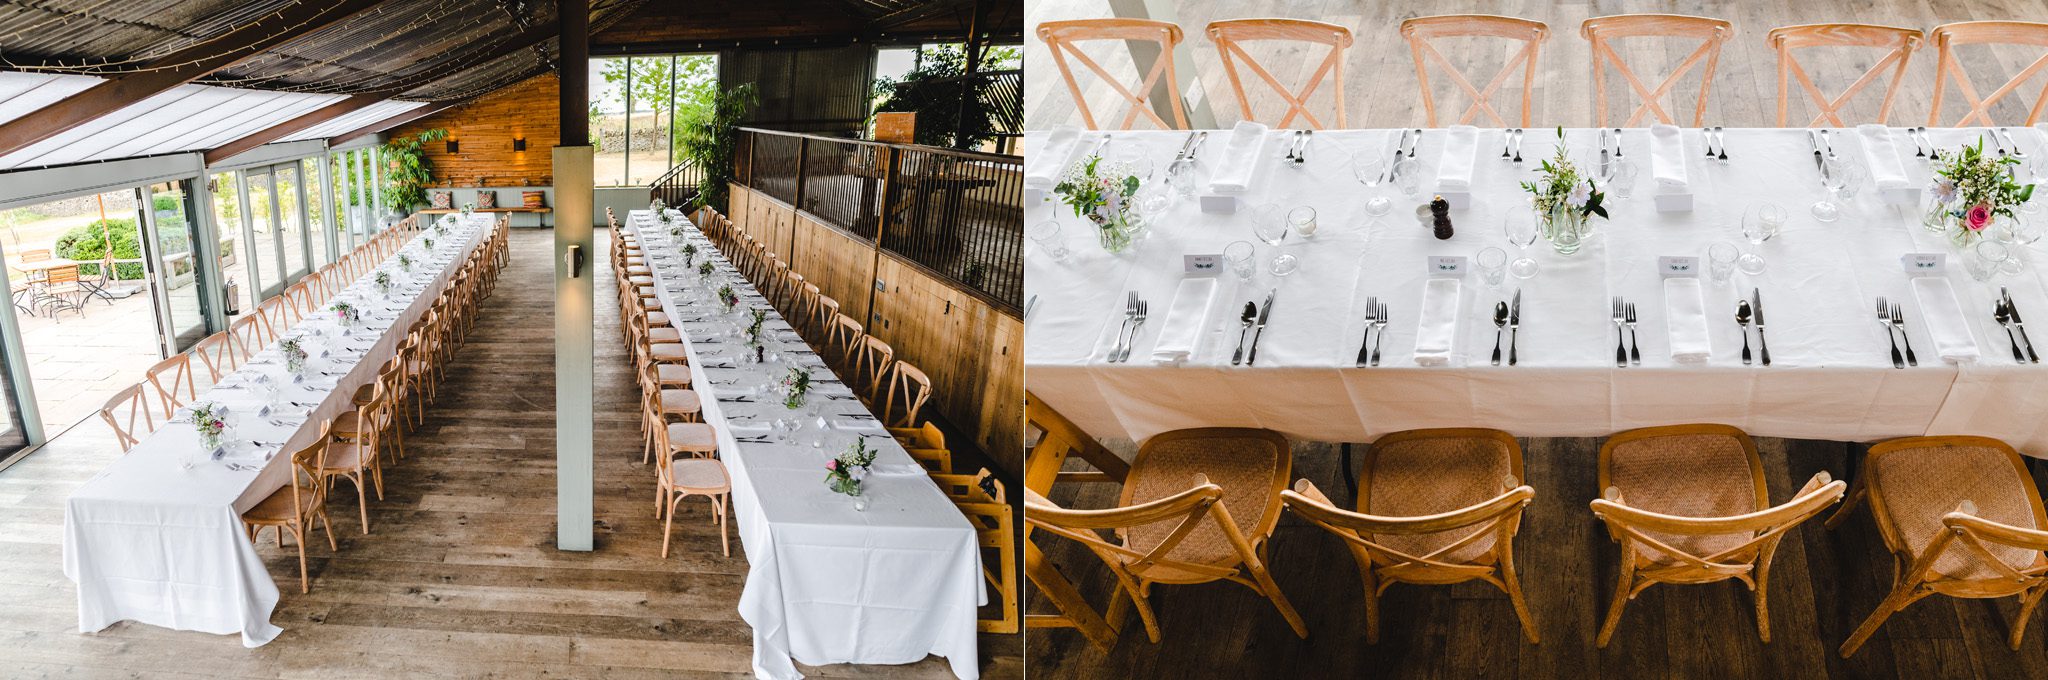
<point>1961,517</point>
<point>294,507</point>
<point>842,338</point>
<point>173,381</point>
<point>1948,37</point>
<point>1063,38</point>
<point>252,332</point>
<point>1420,30</point>
<point>1898,43</point>
<point>1174,525</point>
<point>128,413</point>
<point>353,456</point>
<point>1689,504</point>
<point>820,326</point>
<point>1435,507</point>
<point>221,353</point>
<point>871,364</point>
<point>661,406</point>
<point>1602,32</point>
<point>277,316</point>
<point>1056,441</point>
<point>689,466</point>
<point>981,498</point>
<point>1230,35</point>
<point>909,389</point>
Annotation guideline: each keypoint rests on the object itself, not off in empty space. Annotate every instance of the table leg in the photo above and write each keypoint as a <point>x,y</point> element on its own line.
<point>1350,480</point>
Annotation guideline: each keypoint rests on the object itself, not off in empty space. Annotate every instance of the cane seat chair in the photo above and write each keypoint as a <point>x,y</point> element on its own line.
<point>1435,507</point>
<point>1419,31</point>
<point>1689,504</point>
<point>1601,34</point>
<point>1063,38</point>
<point>1961,517</point>
<point>1174,525</point>
<point>1898,43</point>
<point>1045,464</point>
<point>355,459</point>
<point>294,507</point>
<point>174,382</point>
<point>689,466</point>
<point>660,406</point>
<point>1230,37</point>
<point>982,499</point>
<point>1948,37</point>
<point>128,413</point>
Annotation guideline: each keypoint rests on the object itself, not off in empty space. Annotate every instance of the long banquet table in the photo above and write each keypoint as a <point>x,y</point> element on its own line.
<point>152,540</point>
<point>1831,376</point>
<point>826,583</point>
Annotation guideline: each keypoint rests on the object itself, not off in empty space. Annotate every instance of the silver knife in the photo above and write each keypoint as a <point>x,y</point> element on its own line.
<point>2017,323</point>
<point>1185,144</point>
<point>1819,161</point>
<point>1197,148</point>
<point>1264,312</point>
<point>1603,152</point>
<point>1514,327</point>
<point>1756,302</point>
<point>1387,175</point>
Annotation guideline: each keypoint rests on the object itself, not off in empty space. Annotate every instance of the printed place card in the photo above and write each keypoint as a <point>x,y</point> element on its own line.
<point>1678,266</point>
<point>1446,266</point>
<point>1924,263</point>
<point>1674,202</point>
<point>1202,265</point>
<point>1219,204</point>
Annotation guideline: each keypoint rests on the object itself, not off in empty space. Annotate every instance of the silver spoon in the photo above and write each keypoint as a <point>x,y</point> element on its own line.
<point>1742,317</point>
<point>1500,323</point>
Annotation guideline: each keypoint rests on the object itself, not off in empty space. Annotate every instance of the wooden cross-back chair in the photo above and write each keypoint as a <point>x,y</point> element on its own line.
<point>1229,36</point>
<point>1600,32</point>
<point>294,508</point>
<point>128,413</point>
<point>1057,440</point>
<point>1061,37</point>
<point>1947,37</point>
<point>1961,517</point>
<point>174,382</point>
<point>221,352</point>
<point>1435,507</point>
<point>1688,504</point>
<point>1898,43</point>
<point>871,364</point>
<point>983,500</point>
<point>1172,525</point>
<point>909,388</point>
<point>252,331</point>
<point>1420,30</point>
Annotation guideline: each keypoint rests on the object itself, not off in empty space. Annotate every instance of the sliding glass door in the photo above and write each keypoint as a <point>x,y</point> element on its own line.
<point>176,280</point>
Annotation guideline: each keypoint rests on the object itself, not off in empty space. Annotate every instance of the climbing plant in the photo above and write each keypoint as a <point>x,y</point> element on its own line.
<point>407,171</point>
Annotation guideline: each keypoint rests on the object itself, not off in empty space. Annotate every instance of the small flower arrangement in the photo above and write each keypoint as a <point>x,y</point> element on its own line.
<point>383,280</point>
<point>795,387</point>
<point>1565,200</point>
<point>759,317</point>
<point>727,297</point>
<point>1971,190</point>
<point>704,269</point>
<point>428,242</point>
<point>656,205</point>
<point>344,313</point>
<point>405,262</point>
<point>845,473</point>
<point>690,253</point>
<point>468,209</point>
<point>211,422</point>
<point>1102,194</point>
<point>294,355</point>
<point>662,215</point>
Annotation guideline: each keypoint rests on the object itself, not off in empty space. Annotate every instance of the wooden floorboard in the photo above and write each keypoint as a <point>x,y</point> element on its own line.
<point>459,576</point>
<point>1822,584</point>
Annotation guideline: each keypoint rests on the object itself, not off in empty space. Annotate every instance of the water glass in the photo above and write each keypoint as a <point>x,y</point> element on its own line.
<point>1303,221</point>
<point>1621,180</point>
<point>1721,261</point>
<point>1492,264</point>
<point>1989,258</point>
<point>1408,176</point>
<point>1239,255</point>
<point>1047,235</point>
<point>1180,177</point>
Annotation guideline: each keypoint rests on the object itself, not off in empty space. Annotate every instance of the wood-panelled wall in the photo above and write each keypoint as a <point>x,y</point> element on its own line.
<point>973,353</point>
<point>484,130</point>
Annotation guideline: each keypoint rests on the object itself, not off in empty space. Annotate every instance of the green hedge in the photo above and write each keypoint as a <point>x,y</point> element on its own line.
<point>88,244</point>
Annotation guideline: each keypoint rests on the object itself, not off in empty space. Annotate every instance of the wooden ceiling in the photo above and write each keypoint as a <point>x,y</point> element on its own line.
<point>679,26</point>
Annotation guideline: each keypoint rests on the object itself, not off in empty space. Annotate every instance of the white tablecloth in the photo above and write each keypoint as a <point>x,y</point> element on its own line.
<point>826,583</point>
<point>1832,376</point>
<point>153,541</point>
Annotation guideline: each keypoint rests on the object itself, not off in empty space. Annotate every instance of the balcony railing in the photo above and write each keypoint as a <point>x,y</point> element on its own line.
<point>681,185</point>
<point>958,214</point>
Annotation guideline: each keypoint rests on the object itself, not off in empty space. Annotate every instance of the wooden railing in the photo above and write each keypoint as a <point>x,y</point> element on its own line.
<point>956,214</point>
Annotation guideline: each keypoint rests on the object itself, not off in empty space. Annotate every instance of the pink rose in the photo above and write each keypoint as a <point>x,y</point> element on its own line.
<point>833,466</point>
<point>1978,217</point>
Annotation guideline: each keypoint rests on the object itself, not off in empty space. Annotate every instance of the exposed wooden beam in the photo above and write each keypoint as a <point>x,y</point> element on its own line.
<point>394,121</point>
<point>174,69</point>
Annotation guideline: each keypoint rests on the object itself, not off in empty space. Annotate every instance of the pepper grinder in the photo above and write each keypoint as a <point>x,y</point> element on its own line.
<point>1440,213</point>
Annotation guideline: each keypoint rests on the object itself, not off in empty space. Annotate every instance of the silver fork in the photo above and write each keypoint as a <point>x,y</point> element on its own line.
<point>1130,313</point>
<point>1899,321</point>
<point>1620,337</point>
<point>1372,317</point>
<point>1721,140</point>
<point>1137,326</point>
<point>1379,331</point>
<point>1884,319</point>
<point>1635,350</point>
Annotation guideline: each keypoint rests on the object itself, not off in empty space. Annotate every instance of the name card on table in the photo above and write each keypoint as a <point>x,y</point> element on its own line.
<point>1674,202</point>
<point>1202,265</point>
<point>1678,266</point>
<point>1903,196</point>
<point>1446,266</point>
<point>1220,204</point>
<point>1924,263</point>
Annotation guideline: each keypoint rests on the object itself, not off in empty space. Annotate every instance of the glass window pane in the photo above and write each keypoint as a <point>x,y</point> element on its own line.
<point>608,120</point>
<point>182,280</point>
<point>227,225</point>
<point>263,245</point>
<point>291,229</point>
<point>652,98</point>
<point>316,211</point>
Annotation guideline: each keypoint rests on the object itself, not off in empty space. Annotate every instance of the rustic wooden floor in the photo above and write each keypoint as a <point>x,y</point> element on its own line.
<point>1822,585</point>
<point>460,577</point>
<point>1381,87</point>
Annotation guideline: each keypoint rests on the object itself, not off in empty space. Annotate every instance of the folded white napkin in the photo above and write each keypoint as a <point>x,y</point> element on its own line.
<point>1667,158</point>
<point>1233,174</point>
<point>1943,318</point>
<point>1454,168</point>
<point>1043,167</point>
<point>1883,157</point>
<point>1438,330</point>
<point>1685,320</point>
<point>1185,319</point>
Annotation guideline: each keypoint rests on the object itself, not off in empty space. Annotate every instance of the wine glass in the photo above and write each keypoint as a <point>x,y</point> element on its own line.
<point>1760,222</point>
<point>1270,225</point>
<point>1520,227</point>
<point>1835,174</point>
<point>2018,230</point>
<point>1370,170</point>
